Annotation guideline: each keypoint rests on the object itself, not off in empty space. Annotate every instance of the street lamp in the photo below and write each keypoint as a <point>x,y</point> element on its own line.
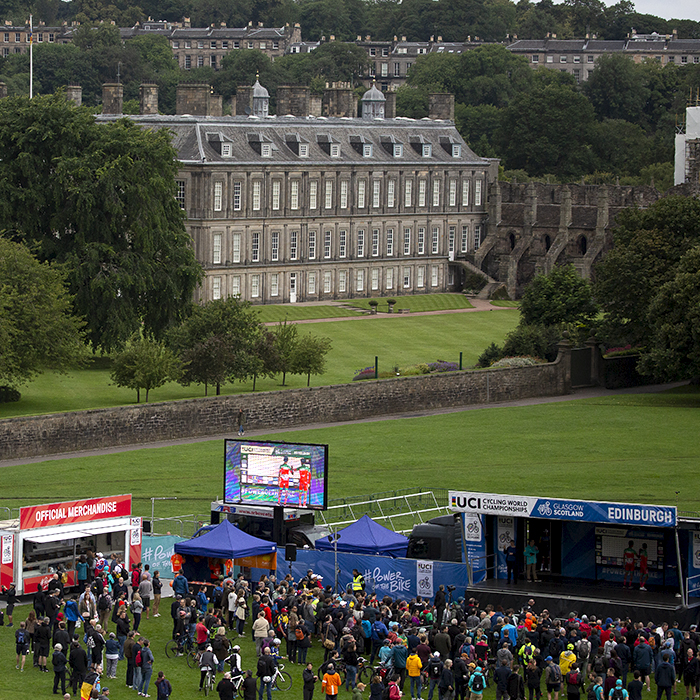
<point>153,505</point>
<point>333,539</point>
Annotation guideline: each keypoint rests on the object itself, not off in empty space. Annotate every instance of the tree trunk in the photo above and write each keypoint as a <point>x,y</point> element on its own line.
<point>284,374</point>
<point>206,388</point>
<point>255,376</point>
<point>138,395</point>
<point>218,389</point>
<point>146,395</point>
<point>308,379</point>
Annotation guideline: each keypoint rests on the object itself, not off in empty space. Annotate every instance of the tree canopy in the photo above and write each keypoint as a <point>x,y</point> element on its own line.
<point>37,327</point>
<point>99,200</point>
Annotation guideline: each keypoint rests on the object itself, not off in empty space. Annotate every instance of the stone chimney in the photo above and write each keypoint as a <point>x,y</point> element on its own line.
<point>244,100</point>
<point>339,100</point>
<point>148,98</point>
<point>74,94</point>
<point>193,98</point>
<point>293,99</point>
<point>441,105</point>
<point>112,98</point>
<point>390,104</point>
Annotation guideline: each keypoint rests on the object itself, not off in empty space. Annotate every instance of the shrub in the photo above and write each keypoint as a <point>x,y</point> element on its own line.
<point>518,362</point>
<point>424,368</point>
<point>366,373</point>
<point>442,366</point>
<point>473,282</point>
<point>373,302</point>
<point>532,341</point>
<point>9,394</point>
<point>492,353</point>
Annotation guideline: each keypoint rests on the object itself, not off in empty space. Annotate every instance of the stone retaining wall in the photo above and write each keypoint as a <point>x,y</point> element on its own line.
<point>145,423</point>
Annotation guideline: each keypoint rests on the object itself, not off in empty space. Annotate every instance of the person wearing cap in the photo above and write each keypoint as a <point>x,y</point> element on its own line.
<point>331,682</point>
<point>618,692</point>
<point>104,694</point>
<point>59,661</point>
<point>552,678</point>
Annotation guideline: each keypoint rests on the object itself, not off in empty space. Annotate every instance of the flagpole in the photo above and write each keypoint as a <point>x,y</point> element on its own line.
<point>31,59</point>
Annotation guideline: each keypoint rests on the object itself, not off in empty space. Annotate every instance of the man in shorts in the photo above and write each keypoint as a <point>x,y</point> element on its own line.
<point>643,567</point>
<point>285,472</point>
<point>629,557</point>
<point>304,484</point>
<point>21,645</point>
<point>552,676</point>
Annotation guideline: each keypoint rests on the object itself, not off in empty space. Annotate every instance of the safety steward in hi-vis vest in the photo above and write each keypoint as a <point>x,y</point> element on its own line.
<point>358,581</point>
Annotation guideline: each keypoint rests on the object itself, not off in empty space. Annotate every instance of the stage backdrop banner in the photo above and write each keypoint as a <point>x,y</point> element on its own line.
<point>157,553</point>
<point>397,578</point>
<point>694,565</point>
<point>505,532</point>
<point>563,509</point>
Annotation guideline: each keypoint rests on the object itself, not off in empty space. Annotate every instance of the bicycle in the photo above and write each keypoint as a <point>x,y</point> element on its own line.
<point>281,680</point>
<point>175,648</point>
<point>339,666</point>
<point>209,680</point>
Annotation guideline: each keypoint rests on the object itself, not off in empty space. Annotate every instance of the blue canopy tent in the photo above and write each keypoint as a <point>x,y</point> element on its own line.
<point>367,537</point>
<point>225,542</point>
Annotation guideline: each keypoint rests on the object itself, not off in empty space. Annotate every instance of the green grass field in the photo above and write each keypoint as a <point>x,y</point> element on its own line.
<point>638,448</point>
<point>417,302</point>
<point>402,340</point>
<point>274,313</point>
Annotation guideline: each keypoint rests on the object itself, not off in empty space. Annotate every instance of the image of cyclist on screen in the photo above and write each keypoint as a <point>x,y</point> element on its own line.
<point>286,470</point>
<point>304,484</point>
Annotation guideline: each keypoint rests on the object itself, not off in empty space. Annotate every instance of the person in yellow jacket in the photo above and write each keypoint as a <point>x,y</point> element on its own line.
<point>566,658</point>
<point>413,667</point>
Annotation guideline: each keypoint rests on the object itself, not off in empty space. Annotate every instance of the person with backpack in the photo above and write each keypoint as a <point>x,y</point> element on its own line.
<point>21,645</point>
<point>618,692</point>
<point>163,686</point>
<point>574,682</point>
<point>392,691</point>
<point>595,689</point>
<point>477,684</point>
<point>583,654</point>
<point>435,667</point>
<point>378,635</point>
<point>147,660</point>
<point>552,678</point>
<point>516,686</point>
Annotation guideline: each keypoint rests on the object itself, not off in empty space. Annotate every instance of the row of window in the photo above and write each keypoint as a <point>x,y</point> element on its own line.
<point>39,37</point>
<point>535,58</point>
<point>358,280</point>
<point>225,44</point>
<point>366,243</point>
<point>382,69</point>
<point>367,193</point>
<point>6,52</point>
<point>266,148</point>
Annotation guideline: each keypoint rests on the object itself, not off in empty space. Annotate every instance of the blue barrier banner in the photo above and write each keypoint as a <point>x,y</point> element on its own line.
<point>563,509</point>
<point>694,564</point>
<point>156,552</point>
<point>397,578</point>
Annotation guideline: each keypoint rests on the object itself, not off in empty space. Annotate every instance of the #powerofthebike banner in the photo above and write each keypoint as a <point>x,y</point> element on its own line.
<point>563,509</point>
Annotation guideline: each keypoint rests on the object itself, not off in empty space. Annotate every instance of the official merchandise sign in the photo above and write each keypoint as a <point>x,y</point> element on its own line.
<point>70,512</point>
<point>563,509</point>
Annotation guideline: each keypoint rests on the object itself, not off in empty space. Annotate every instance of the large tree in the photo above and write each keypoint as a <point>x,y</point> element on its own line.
<point>648,245</point>
<point>37,327</point>
<point>99,199</point>
<point>217,342</point>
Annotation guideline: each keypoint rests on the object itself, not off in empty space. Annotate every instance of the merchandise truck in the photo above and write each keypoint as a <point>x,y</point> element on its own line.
<point>49,538</point>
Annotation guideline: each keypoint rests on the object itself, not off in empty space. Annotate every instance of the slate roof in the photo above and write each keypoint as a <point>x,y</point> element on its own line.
<point>198,139</point>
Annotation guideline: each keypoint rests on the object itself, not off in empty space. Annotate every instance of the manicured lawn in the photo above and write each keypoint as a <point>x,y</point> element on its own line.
<point>505,303</point>
<point>637,448</point>
<point>417,302</point>
<point>274,313</point>
<point>402,340</point>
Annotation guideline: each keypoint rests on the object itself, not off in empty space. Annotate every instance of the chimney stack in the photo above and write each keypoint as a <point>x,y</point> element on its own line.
<point>74,93</point>
<point>441,105</point>
<point>112,98</point>
<point>293,99</point>
<point>148,98</point>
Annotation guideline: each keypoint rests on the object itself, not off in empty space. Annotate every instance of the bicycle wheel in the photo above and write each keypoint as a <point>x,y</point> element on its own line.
<point>208,683</point>
<point>240,689</point>
<point>283,681</point>
<point>171,648</point>
<point>365,674</point>
<point>192,659</point>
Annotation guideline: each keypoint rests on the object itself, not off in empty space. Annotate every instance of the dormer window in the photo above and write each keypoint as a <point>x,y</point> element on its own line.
<point>328,144</point>
<point>266,150</point>
<point>335,150</point>
<point>456,150</point>
<point>427,150</point>
<point>226,150</point>
<point>367,150</point>
<point>303,150</point>
<point>398,150</point>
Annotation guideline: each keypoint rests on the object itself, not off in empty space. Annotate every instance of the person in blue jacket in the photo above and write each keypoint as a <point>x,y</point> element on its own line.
<point>181,585</point>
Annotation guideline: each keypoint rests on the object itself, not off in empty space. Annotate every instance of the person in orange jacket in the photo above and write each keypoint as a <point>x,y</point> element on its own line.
<point>331,682</point>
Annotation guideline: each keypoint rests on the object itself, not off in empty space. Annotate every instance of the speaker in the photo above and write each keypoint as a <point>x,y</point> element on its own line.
<point>290,552</point>
<point>146,526</point>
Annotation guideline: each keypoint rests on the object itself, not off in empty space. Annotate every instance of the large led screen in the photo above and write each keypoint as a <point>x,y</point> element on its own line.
<point>275,474</point>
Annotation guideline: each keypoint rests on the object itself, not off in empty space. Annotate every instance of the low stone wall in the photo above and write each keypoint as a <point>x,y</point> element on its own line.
<point>129,425</point>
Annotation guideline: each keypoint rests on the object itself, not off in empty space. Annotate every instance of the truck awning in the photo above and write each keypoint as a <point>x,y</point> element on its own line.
<point>70,532</point>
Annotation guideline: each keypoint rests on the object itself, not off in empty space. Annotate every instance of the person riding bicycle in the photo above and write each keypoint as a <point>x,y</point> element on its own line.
<point>182,633</point>
<point>235,662</point>
<point>207,664</point>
